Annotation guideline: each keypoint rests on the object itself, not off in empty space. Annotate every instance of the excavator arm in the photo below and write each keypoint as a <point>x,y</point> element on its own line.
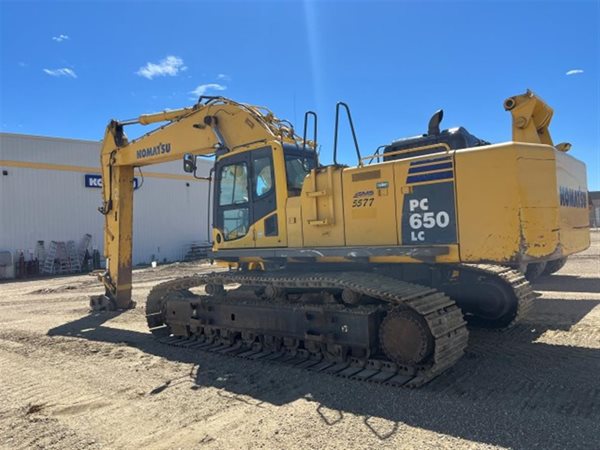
<point>215,126</point>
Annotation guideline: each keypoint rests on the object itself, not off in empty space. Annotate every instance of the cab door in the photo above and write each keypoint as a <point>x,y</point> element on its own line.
<point>245,200</point>
<point>232,202</point>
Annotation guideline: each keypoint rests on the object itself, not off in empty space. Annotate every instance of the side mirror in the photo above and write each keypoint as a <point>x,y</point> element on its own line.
<point>189,163</point>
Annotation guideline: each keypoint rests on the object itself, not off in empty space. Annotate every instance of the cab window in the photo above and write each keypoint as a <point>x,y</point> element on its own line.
<point>233,191</point>
<point>235,223</point>
<point>263,176</point>
<point>234,185</point>
<point>297,167</point>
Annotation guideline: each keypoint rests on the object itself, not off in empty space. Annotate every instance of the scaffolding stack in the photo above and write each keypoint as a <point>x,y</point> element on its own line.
<point>63,257</point>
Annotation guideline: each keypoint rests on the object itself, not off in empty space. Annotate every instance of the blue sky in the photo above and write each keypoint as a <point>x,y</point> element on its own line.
<point>68,67</point>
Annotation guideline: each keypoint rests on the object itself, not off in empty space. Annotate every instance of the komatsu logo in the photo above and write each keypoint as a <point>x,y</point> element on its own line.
<point>574,198</point>
<point>153,151</point>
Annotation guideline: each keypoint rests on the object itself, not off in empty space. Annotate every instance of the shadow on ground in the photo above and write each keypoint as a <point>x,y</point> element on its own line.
<point>567,283</point>
<point>508,390</point>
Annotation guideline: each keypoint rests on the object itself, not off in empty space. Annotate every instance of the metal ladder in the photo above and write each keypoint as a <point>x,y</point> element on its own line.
<point>40,253</point>
<point>74,264</point>
<point>84,244</point>
<point>48,266</point>
<point>62,255</point>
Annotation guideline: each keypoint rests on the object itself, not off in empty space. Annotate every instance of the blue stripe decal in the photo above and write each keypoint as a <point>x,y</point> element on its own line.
<point>427,161</point>
<point>447,165</point>
<point>430,177</point>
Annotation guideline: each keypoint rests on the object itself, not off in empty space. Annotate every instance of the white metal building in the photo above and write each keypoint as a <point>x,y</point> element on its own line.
<point>49,191</point>
<point>594,199</point>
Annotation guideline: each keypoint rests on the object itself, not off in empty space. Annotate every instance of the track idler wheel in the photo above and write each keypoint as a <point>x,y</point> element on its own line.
<point>405,337</point>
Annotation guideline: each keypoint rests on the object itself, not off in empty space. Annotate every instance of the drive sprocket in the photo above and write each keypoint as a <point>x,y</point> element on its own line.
<point>405,337</point>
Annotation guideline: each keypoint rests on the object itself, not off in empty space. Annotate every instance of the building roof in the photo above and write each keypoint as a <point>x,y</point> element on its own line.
<point>49,138</point>
<point>76,153</point>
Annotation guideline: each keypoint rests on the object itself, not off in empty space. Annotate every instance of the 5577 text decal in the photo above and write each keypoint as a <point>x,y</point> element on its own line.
<point>363,199</point>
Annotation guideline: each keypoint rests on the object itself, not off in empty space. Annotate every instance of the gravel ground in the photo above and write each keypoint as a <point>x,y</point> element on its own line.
<point>69,379</point>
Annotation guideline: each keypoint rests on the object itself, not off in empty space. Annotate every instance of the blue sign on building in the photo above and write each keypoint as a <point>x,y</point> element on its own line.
<point>95,181</point>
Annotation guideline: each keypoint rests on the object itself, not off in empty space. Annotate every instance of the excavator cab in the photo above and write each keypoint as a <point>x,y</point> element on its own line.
<point>249,186</point>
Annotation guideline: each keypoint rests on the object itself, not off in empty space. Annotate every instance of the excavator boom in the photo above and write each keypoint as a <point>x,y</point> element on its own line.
<point>214,126</point>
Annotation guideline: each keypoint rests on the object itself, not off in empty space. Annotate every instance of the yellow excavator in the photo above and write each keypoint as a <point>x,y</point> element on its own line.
<point>368,272</point>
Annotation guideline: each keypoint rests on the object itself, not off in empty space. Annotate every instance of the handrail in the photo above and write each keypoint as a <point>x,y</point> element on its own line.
<point>411,150</point>
<point>314,115</point>
<point>337,115</point>
<point>376,154</point>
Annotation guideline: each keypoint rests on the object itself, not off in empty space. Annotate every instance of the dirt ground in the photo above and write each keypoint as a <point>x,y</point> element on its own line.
<point>69,379</point>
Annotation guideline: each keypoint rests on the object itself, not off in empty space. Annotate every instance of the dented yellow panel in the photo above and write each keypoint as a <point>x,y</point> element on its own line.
<point>536,180</point>
<point>488,203</point>
<point>520,202</point>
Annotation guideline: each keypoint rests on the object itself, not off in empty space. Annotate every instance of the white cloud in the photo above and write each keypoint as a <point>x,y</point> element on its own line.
<point>60,38</point>
<point>204,88</point>
<point>224,77</point>
<point>63,72</point>
<point>171,66</point>
<point>574,72</point>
